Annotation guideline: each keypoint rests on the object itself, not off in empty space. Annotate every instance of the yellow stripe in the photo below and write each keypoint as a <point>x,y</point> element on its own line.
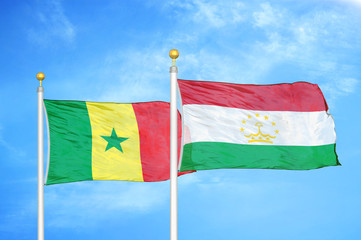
<point>112,164</point>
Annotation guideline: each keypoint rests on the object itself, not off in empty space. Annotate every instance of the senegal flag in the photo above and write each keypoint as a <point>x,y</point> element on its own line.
<point>281,126</point>
<point>108,141</point>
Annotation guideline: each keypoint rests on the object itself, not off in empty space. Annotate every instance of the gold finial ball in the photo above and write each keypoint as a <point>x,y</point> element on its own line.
<point>173,53</point>
<point>40,76</point>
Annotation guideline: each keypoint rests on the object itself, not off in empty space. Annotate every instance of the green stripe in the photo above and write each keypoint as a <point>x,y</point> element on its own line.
<point>215,155</point>
<point>70,142</point>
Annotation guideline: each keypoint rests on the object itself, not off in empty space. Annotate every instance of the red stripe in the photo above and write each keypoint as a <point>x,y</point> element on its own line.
<point>297,97</point>
<point>153,120</point>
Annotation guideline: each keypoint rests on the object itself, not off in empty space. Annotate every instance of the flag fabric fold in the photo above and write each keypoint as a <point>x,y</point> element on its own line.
<point>108,141</point>
<point>281,126</point>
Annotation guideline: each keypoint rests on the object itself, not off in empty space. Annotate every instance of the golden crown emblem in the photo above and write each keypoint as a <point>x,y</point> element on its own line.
<point>259,136</point>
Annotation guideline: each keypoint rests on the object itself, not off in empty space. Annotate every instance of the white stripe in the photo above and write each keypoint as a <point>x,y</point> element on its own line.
<point>207,123</point>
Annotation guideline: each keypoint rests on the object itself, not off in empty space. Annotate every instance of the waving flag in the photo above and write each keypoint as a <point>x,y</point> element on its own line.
<point>282,126</point>
<point>108,141</point>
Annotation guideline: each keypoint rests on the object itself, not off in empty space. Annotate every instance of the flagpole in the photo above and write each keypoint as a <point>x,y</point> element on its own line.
<point>173,148</point>
<point>40,76</point>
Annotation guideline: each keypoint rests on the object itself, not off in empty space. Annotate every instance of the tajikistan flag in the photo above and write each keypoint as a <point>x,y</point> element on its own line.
<point>281,126</point>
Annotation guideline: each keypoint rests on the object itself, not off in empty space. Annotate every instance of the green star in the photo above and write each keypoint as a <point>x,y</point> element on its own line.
<point>114,141</point>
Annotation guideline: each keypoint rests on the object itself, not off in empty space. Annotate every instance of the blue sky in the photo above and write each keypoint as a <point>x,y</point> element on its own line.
<point>118,51</point>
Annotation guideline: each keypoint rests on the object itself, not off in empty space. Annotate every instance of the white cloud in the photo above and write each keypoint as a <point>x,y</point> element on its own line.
<point>311,42</point>
<point>306,41</point>
<point>215,14</point>
<point>347,85</point>
<point>52,24</point>
<point>268,16</point>
<point>284,37</point>
<point>353,2</point>
<point>207,65</point>
<point>304,34</point>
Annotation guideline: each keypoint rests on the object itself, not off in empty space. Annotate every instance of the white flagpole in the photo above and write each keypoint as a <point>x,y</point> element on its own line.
<point>40,76</point>
<point>173,148</point>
